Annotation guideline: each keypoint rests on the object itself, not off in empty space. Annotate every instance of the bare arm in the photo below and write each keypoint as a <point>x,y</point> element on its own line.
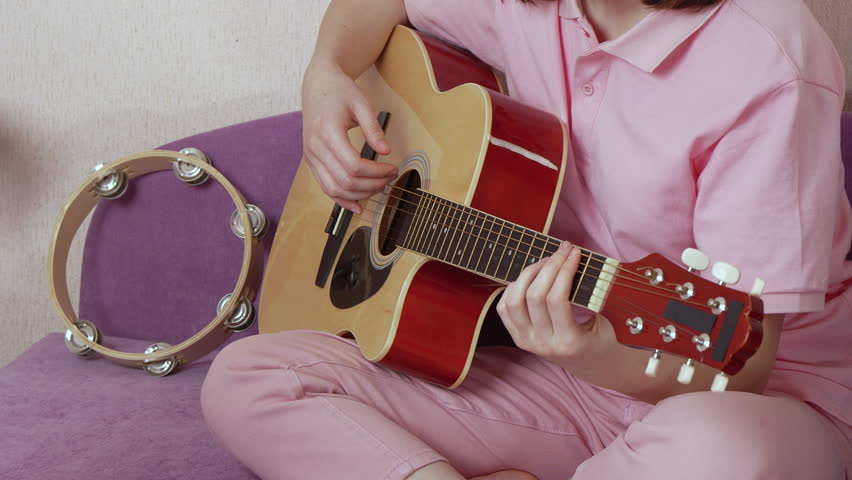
<point>352,35</point>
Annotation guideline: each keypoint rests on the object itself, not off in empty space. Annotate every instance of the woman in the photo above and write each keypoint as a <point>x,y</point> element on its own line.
<point>694,123</point>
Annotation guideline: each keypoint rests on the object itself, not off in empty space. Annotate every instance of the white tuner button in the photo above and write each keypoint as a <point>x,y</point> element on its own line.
<point>726,273</point>
<point>720,382</point>
<point>653,364</point>
<point>687,370</point>
<point>695,259</point>
<point>757,287</point>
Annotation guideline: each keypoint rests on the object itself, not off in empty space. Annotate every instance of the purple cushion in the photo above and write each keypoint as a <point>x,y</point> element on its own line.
<point>65,417</point>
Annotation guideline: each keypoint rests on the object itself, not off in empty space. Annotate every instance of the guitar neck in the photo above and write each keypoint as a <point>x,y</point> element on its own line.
<point>495,248</point>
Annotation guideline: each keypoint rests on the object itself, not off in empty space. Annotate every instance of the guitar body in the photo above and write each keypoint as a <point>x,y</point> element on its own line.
<point>451,134</point>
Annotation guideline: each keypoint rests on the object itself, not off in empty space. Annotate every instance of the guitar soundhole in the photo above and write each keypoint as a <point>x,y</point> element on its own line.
<point>403,197</point>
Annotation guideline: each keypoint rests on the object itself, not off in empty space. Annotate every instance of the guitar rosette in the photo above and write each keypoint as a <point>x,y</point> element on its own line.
<point>110,181</point>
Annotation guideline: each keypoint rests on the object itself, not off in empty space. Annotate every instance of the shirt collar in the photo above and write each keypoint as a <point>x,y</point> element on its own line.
<point>650,42</point>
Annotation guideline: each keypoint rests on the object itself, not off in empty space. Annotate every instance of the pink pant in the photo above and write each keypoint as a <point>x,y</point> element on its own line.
<point>306,405</point>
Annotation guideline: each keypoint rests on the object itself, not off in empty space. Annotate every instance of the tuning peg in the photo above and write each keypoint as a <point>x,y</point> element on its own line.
<point>757,287</point>
<point>720,382</point>
<point>653,364</point>
<point>726,273</point>
<point>695,259</point>
<point>687,370</point>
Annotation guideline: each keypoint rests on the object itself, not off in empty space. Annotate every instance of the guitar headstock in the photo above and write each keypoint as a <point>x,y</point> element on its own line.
<point>657,304</point>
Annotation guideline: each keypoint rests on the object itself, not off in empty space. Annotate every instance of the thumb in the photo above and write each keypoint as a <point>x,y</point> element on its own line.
<point>373,132</point>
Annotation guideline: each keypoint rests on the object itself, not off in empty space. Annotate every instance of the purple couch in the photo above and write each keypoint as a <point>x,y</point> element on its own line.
<point>155,264</point>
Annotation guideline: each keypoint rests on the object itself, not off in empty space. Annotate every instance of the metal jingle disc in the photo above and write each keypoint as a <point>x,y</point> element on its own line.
<point>73,343</point>
<point>111,186</point>
<point>259,224</point>
<point>242,318</point>
<point>189,173</point>
<point>159,368</point>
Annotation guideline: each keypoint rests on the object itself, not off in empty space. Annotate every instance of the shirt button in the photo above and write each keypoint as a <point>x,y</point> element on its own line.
<point>587,34</point>
<point>588,90</point>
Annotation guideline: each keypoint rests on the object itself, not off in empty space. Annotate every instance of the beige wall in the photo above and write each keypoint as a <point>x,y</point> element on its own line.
<point>86,82</point>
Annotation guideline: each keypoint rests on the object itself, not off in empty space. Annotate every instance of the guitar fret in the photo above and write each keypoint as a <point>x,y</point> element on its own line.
<point>586,278</point>
<point>413,230</point>
<point>582,267</point>
<point>423,228</point>
<point>435,228</point>
<point>471,239</point>
<point>479,240</point>
<point>524,248</point>
<point>455,221</point>
<point>497,248</point>
<point>458,246</point>
<point>511,240</point>
<point>444,226</point>
<point>431,226</point>
<point>441,230</point>
<point>487,245</point>
<point>551,246</point>
<point>540,246</point>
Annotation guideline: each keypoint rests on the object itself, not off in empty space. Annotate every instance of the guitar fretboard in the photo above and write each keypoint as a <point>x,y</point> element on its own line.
<point>497,249</point>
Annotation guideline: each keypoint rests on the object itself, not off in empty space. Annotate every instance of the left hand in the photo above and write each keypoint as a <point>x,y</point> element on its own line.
<point>538,314</point>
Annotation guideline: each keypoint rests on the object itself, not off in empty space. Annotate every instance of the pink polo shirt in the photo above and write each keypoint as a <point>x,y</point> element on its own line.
<point>717,130</point>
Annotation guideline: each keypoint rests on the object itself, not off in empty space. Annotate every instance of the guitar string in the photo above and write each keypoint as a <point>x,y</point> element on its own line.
<point>546,242</point>
<point>619,308</point>
<point>642,280</point>
<point>683,338</point>
<point>449,205</point>
<point>602,298</point>
<point>623,306</point>
<point>477,213</point>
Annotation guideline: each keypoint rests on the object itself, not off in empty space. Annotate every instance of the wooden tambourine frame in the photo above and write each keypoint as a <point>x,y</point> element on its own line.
<point>160,359</point>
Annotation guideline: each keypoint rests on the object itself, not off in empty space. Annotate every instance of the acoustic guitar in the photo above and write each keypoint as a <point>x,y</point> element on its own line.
<point>415,278</point>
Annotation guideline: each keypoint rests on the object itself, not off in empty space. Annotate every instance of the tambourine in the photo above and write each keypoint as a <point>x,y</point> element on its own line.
<point>110,181</point>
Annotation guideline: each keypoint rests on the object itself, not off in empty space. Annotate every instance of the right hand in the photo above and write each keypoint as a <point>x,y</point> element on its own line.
<point>332,104</point>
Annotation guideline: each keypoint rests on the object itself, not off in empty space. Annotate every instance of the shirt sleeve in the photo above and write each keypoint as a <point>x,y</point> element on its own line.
<point>769,193</point>
<point>470,24</point>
